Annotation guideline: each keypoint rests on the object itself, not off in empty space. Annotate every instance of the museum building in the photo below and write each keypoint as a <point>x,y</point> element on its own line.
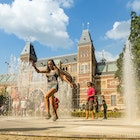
<point>83,68</point>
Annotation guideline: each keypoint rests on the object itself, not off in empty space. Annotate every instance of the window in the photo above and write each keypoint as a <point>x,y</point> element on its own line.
<point>87,53</point>
<point>113,100</point>
<point>84,68</point>
<point>74,68</point>
<point>81,54</point>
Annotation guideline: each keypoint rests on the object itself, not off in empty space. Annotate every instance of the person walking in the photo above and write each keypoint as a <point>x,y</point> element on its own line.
<point>52,73</point>
<point>90,100</point>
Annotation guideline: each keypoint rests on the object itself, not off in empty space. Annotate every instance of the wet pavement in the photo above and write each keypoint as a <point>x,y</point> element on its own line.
<point>69,127</point>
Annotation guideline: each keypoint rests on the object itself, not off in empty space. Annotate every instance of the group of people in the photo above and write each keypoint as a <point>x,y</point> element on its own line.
<point>23,107</point>
<point>92,103</point>
<point>19,105</point>
<point>52,73</point>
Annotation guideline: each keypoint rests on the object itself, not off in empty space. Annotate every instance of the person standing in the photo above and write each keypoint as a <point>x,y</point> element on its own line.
<point>1,109</point>
<point>90,100</point>
<point>104,107</point>
<point>96,104</point>
<point>15,102</point>
<point>23,106</point>
<point>52,73</point>
<point>42,108</point>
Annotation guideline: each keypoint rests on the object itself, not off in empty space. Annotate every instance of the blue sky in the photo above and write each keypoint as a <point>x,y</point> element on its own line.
<point>55,26</point>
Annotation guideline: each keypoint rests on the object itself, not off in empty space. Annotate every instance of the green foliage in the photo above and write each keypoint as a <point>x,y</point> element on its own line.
<point>3,91</point>
<point>110,114</point>
<point>119,72</point>
<point>134,38</point>
<point>3,95</point>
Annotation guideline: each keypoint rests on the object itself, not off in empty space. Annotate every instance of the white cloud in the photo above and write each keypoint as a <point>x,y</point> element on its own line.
<point>37,20</point>
<point>65,3</point>
<point>106,55</point>
<point>120,30</point>
<point>135,5</point>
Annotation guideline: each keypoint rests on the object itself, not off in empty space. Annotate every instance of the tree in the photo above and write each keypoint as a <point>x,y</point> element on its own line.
<point>3,95</point>
<point>135,41</point>
<point>134,38</point>
<point>119,72</point>
<point>4,99</point>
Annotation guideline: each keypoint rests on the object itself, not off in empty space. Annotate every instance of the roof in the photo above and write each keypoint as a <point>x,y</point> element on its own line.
<point>8,78</point>
<point>106,67</point>
<point>102,68</point>
<point>29,50</point>
<point>85,38</point>
<point>64,59</point>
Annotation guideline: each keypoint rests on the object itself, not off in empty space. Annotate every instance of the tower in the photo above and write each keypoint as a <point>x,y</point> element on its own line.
<point>86,63</point>
<point>28,53</point>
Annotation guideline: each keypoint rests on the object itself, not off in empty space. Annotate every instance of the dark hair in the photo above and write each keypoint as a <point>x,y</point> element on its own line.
<point>96,97</point>
<point>90,83</point>
<point>103,96</point>
<point>103,101</point>
<point>59,71</point>
<point>48,69</point>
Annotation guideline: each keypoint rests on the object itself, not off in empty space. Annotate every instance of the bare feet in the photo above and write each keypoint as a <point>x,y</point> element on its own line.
<point>55,118</point>
<point>48,116</point>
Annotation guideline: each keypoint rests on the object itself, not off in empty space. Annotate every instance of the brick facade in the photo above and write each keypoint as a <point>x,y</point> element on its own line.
<point>83,68</point>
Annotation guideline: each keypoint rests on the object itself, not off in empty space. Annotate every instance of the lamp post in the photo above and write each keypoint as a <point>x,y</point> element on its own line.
<point>7,66</point>
<point>7,91</point>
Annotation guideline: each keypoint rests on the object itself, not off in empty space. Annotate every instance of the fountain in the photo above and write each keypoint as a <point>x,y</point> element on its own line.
<point>32,86</point>
<point>129,80</point>
<point>65,96</point>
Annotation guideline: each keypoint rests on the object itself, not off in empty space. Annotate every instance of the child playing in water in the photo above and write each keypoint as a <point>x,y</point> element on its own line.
<point>52,74</point>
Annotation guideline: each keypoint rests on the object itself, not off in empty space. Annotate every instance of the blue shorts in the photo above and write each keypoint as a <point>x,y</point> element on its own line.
<point>55,86</point>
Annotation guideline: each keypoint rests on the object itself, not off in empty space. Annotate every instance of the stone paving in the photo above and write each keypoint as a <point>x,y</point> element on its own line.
<point>67,128</point>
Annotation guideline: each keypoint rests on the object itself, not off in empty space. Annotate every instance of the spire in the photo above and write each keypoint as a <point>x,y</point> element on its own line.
<point>85,38</point>
<point>28,53</point>
<point>103,60</point>
<point>88,25</point>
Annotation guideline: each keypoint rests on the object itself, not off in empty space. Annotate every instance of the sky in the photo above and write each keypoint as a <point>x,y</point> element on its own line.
<point>55,26</point>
